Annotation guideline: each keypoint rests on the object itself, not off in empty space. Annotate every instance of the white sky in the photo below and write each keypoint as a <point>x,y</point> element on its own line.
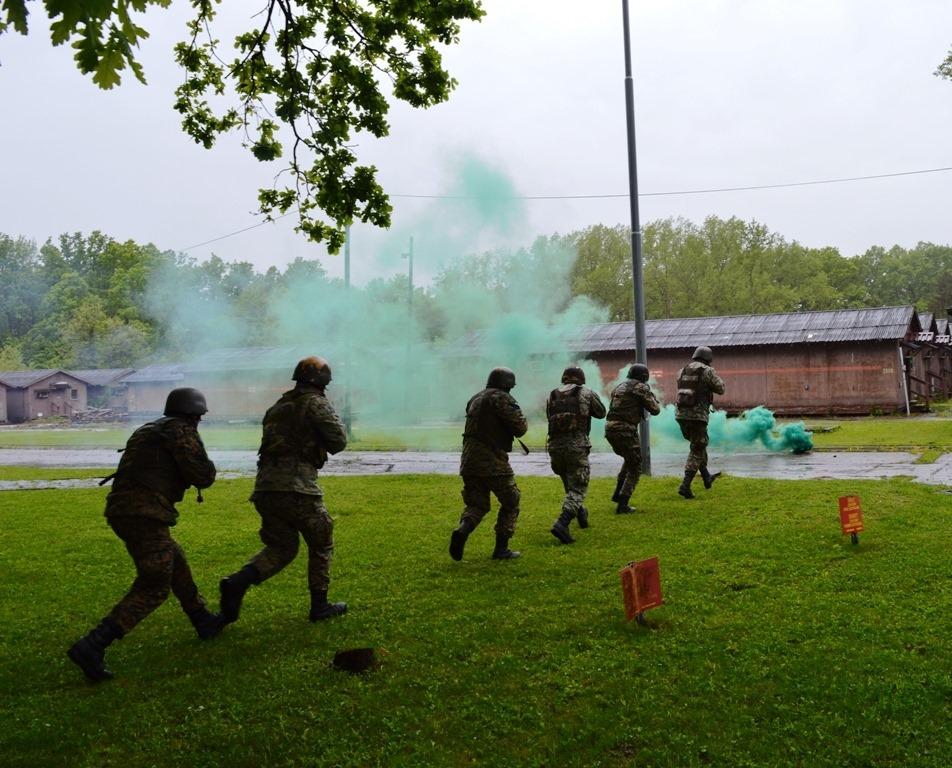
<point>727,93</point>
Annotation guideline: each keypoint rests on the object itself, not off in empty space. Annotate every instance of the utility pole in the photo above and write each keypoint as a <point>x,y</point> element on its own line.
<point>348,421</point>
<point>637,272</point>
<point>409,255</point>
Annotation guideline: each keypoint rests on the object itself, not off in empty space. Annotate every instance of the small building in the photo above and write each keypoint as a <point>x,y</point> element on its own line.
<point>834,362</point>
<point>147,388</point>
<point>104,388</point>
<point>3,403</point>
<point>41,394</point>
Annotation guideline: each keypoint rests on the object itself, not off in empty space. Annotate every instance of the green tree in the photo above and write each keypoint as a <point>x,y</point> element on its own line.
<point>300,85</point>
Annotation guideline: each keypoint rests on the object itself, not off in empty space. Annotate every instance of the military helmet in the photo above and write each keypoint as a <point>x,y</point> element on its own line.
<point>639,371</point>
<point>573,375</point>
<point>501,378</point>
<point>185,401</point>
<point>312,370</point>
<point>703,354</point>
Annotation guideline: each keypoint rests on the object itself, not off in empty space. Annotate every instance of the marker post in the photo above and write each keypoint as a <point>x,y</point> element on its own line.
<point>851,517</point>
<point>641,588</point>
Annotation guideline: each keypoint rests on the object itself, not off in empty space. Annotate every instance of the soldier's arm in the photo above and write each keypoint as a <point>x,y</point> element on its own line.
<point>651,403</point>
<point>596,407</point>
<point>714,382</point>
<point>510,412</point>
<point>329,426</point>
<point>188,450</point>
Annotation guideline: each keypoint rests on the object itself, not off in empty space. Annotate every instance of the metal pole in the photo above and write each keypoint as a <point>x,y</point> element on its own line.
<point>348,422</point>
<point>410,293</point>
<point>637,274</point>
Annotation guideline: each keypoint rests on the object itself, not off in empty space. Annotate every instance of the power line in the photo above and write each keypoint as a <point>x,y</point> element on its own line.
<point>672,193</point>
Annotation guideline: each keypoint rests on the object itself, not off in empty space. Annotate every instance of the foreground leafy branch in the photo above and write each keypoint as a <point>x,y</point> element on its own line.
<point>301,85</point>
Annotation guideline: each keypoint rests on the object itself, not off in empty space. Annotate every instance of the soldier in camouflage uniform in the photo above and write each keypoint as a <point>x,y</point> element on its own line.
<point>697,384</point>
<point>493,419</point>
<point>298,432</point>
<point>570,409</point>
<point>160,461</point>
<point>629,401</point>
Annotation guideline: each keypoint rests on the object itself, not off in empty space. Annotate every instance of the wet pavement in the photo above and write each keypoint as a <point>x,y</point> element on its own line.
<point>782,466</point>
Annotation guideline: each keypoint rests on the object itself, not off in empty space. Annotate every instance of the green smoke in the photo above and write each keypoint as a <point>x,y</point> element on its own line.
<point>757,426</point>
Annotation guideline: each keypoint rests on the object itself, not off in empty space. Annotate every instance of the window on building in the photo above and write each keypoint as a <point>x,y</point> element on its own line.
<point>42,394</point>
<point>74,394</point>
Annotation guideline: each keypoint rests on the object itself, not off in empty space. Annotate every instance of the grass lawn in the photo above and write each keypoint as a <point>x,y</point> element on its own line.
<point>780,644</point>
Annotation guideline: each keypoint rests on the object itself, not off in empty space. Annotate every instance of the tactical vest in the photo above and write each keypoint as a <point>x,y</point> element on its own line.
<point>286,436</point>
<point>147,462</point>
<point>625,405</point>
<point>565,412</point>
<point>484,425</point>
<point>692,391</point>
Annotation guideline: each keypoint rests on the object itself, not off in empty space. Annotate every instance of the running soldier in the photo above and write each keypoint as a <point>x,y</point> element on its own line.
<point>493,419</point>
<point>698,382</point>
<point>160,461</point>
<point>570,409</point>
<point>629,401</point>
<point>298,432</point>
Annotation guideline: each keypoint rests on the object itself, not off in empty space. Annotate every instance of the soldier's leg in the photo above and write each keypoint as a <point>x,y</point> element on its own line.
<point>476,507</point>
<point>280,538</point>
<point>562,467</point>
<point>695,432</point>
<point>620,441</point>
<point>632,476</point>
<point>153,552</point>
<point>317,528</point>
<point>206,624</point>
<point>706,475</point>
<point>506,490</point>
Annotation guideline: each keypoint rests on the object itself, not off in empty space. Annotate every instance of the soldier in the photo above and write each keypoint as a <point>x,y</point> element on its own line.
<point>160,461</point>
<point>570,409</point>
<point>697,384</point>
<point>298,432</point>
<point>629,401</point>
<point>493,419</point>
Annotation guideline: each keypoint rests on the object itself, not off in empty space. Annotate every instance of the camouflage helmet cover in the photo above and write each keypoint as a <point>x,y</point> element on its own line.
<point>312,370</point>
<point>501,378</point>
<point>573,375</point>
<point>185,401</point>
<point>639,371</point>
<point>703,354</point>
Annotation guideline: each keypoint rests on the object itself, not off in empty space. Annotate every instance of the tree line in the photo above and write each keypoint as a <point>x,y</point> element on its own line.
<point>88,301</point>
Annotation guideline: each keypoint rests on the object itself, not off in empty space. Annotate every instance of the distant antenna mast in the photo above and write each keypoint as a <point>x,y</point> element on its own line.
<point>637,273</point>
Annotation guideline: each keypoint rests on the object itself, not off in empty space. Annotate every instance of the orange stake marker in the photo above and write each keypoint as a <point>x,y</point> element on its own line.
<point>851,517</point>
<point>641,587</point>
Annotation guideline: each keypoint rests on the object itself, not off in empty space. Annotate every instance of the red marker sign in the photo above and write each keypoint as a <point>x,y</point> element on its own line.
<point>641,587</point>
<point>851,517</point>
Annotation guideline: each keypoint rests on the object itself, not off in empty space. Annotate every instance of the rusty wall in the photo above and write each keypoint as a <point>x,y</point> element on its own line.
<point>790,379</point>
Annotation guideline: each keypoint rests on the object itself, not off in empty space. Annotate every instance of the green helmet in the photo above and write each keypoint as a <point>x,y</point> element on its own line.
<point>185,401</point>
<point>573,375</point>
<point>703,354</point>
<point>312,370</point>
<point>639,371</point>
<point>501,378</point>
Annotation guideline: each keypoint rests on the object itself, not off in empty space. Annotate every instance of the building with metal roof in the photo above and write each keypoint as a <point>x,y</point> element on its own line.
<point>41,394</point>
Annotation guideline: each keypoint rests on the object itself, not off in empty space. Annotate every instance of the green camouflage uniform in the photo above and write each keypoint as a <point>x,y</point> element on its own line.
<point>493,419</point>
<point>628,400</point>
<point>693,418</point>
<point>160,461</point>
<point>298,433</point>
<point>568,443</point>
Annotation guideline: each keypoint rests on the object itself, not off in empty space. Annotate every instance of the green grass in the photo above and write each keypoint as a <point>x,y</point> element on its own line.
<point>780,643</point>
<point>49,473</point>
<point>882,433</point>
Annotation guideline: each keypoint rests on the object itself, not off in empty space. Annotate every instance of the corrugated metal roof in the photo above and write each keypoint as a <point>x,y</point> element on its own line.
<point>942,324</point>
<point>160,372</point>
<point>925,319</point>
<point>100,377</point>
<point>21,379</point>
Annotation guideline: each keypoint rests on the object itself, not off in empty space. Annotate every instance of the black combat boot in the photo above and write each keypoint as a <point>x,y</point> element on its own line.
<point>707,478</point>
<point>582,517</point>
<point>502,551</point>
<point>623,508</point>
<point>619,482</point>
<point>233,588</point>
<point>685,488</point>
<point>458,538</point>
<point>560,529</point>
<point>206,623</point>
<point>89,652</point>
<point>321,609</point>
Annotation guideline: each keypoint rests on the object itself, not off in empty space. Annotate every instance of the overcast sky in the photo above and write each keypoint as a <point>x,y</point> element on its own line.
<point>728,93</point>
